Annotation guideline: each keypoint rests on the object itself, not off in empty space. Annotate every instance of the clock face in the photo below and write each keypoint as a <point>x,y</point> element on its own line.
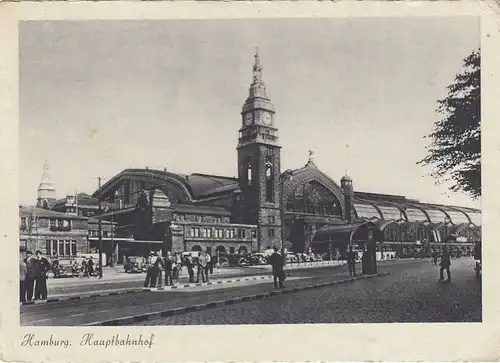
<point>266,118</point>
<point>248,118</point>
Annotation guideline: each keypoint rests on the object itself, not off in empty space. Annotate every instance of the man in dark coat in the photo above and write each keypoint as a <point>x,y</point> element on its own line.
<point>42,267</point>
<point>351,261</point>
<point>277,261</point>
<point>445,265</point>
<point>29,282</point>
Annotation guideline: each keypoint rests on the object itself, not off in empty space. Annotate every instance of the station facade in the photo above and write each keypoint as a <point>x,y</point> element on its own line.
<point>264,206</point>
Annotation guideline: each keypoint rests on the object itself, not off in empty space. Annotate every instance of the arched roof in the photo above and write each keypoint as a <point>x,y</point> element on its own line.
<point>194,186</point>
<point>309,173</point>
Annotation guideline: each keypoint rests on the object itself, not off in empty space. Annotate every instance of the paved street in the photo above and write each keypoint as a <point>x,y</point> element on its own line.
<point>407,295</point>
<point>92,310</point>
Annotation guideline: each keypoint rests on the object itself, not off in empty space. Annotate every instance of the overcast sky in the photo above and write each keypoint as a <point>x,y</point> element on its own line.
<point>100,96</point>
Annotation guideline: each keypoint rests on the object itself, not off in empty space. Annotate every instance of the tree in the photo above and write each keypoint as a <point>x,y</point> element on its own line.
<point>455,148</point>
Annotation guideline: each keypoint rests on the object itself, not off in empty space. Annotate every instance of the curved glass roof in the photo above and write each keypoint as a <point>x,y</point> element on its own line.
<point>457,217</point>
<point>415,215</point>
<point>436,215</point>
<point>475,218</point>
<point>366,211</point>
<point>390,212</point>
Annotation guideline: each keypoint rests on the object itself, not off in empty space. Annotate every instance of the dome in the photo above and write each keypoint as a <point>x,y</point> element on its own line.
<point>346,178</point>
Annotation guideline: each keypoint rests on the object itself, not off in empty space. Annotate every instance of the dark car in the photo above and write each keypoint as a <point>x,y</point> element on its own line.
<point>135,264</point>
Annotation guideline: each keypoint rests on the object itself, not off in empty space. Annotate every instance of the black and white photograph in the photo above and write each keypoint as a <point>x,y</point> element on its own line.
<point>250,171</point>
<point>189,181</point>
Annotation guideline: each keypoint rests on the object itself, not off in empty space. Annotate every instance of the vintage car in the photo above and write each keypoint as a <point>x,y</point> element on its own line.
<point>135,264</point>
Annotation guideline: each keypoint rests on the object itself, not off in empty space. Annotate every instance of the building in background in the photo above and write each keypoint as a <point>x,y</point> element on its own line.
<point>53,233</point>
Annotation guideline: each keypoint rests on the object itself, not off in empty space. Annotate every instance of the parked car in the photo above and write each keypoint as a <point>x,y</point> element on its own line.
<point>135,264</point>
<point>290,258</point>
<point>258,259</point>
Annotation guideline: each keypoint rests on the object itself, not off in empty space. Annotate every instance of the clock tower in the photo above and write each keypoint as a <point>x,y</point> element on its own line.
<point>259,163</point>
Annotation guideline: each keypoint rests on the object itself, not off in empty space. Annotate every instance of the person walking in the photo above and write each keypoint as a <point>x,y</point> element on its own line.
<point>22,277</point>
<point>150,270</point>
<point>434,257</point>
<point>42,267</point>
<point>351,261</point>
<point>169,265</point>
<point>159,267</point>
<point>212,263</point>
<point>208,267</point>
<point>445,265</point>
<point>202,265</point>
<point>188,261</point>
<point>29,281</point>
<point>277,261</point>
<point>90,266</point>
<point>85,267</point>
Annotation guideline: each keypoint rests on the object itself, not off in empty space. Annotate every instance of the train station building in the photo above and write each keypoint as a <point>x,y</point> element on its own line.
<point>265,205</point>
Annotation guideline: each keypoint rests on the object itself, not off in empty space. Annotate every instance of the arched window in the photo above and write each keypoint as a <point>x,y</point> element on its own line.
<point>313,198</point>
<point>249,174</point>
<point>196,248</point>
<point>269,183</point>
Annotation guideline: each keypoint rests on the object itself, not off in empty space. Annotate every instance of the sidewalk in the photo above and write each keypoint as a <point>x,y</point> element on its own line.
<point>302,265</point>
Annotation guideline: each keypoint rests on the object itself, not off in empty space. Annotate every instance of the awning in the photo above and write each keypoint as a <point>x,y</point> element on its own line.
<point>338,232</point>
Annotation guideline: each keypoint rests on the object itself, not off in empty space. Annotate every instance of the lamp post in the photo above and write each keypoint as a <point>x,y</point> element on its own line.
<point>287,175</point>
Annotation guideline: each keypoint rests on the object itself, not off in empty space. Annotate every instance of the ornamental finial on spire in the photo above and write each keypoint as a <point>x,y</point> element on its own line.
<point>257,68</point>
<point>45,175</point>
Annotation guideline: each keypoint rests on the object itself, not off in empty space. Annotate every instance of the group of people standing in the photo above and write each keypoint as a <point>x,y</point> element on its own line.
<point>171,265</point>
<point>33,276</point>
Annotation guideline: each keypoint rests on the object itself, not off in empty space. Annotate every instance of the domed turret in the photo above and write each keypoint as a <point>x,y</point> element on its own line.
<point>46,190</point>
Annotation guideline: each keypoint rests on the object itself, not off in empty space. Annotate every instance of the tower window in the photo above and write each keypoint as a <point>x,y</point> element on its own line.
<point>269,183</point>
<point>249,174</point>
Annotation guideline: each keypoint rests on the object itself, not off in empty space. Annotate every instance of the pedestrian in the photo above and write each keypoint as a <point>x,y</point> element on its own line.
<point>434,257</point>
<point>29,281</point>
<point>188,261</point>
<point>445,265</point>
<point>202,266</point>
<point>151,271</point>
<point>211,264</point>
<point>351,261</point>
<point>277,261</point>
<point>169,266</point>
<point>208,267</point>
<point>22,277</point>
<point>91,264</point>
<point>159,266</point>
<point>42,267</point>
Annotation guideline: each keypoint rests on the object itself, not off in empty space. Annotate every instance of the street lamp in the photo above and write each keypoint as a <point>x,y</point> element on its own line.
<point>287,175</point>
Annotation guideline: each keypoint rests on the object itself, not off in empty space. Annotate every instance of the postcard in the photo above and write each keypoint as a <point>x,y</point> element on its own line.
<point>289,181</point>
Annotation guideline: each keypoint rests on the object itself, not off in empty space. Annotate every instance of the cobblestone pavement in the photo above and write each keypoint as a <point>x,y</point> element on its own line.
<point>408,295</point>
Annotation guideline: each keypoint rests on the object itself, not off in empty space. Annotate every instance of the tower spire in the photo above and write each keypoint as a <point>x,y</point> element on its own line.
<point>45,174</point>
<point>257,88</point>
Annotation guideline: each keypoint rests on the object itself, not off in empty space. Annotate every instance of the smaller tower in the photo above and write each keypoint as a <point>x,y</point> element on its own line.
<point>348,190</point>
<point>46,190</point>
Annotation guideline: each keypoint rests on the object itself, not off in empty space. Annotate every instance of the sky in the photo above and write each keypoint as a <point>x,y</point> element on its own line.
<point>97,97</point>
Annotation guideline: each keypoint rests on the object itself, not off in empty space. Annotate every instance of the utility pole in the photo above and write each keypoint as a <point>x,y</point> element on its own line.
<point>99,223</point>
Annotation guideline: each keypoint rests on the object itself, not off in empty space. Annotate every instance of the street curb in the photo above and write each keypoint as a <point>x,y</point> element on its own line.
<point>198,284</point>
<point>178,311</point>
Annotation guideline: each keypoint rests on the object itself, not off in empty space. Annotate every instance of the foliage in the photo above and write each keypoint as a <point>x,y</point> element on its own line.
<point>455,149</point>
